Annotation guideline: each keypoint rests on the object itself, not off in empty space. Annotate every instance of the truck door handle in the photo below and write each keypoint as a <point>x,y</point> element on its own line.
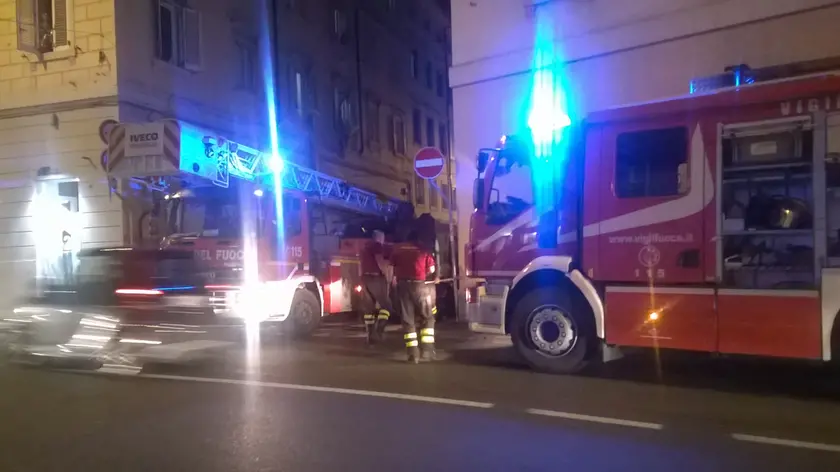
<point>690,258</point>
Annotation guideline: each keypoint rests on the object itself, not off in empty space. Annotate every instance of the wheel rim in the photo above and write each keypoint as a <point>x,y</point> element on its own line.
<point>305,315</point>
<point>551,331</point>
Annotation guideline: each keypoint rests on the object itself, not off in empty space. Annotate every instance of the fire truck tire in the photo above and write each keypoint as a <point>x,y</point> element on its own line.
<point>553,332</point>
<point>305,313</point>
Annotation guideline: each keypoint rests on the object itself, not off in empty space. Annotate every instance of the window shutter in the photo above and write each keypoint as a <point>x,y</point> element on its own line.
<point>192,39</point>
<point>27,30</point>
<point>60,23</point>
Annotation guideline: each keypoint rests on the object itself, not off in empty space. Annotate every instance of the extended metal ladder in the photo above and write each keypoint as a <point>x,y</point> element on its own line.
<point>246,163</point>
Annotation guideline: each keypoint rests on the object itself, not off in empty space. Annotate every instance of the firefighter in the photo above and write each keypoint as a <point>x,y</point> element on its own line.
<point>412,265</point>
<point>377,275</point>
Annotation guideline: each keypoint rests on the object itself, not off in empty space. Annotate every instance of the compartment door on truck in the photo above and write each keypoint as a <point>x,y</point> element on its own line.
<point>653,184</point>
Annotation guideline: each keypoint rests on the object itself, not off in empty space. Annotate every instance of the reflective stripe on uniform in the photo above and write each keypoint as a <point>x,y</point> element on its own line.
<point>384,314</point>
<point>369,318</point>
<point>410,336</point>
<point>434,310</point>
<point>411,344</point>
<point>410,339</point>
<point>427,336</point>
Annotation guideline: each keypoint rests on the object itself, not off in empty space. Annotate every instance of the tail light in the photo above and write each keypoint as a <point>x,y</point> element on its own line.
<point>358,289</point>
<point>138,292</point>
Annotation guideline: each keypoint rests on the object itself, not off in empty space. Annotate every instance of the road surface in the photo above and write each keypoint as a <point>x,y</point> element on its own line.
<point>334,405</point>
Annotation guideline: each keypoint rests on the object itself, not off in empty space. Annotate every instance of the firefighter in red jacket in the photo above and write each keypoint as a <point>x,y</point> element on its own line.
<point>412,265</point>
<point>376,279</point>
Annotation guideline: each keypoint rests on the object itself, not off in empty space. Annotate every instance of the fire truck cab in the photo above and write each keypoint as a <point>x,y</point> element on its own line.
<point>707,223</point>
<point>275,241</point>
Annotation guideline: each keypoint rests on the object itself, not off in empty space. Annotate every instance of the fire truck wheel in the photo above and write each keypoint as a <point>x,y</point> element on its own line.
<point>552,331</point>
<point>305,313</point>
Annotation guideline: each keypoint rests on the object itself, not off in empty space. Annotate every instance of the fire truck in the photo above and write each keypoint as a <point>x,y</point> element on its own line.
<point>276,241</point>
<point>707,223</point>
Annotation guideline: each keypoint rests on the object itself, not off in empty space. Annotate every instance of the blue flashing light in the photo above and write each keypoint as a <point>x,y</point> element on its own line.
<point>175,289</point>
<point>276,163</point>
<point>548,115</point>
<point>259,192</point>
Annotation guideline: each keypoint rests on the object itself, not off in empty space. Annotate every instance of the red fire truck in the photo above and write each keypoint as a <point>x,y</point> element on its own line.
<point>707,223</point>
<point>185,187</point>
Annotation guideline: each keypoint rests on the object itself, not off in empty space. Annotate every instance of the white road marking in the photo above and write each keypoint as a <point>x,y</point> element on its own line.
<point>316,388</point>
<point>594,419</point>
<point>786,442</point>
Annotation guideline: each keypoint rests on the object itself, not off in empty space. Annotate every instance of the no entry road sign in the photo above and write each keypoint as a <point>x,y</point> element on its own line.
<point>428,162</point>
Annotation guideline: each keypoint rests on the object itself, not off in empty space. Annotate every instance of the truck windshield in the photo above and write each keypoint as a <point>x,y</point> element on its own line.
<point>511,189</point>
<point>217,217</point>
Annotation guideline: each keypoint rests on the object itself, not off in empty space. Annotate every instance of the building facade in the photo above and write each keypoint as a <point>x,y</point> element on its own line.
<point>345,83</point>
<point>362,85</point>
<point>614,53</point>
<point>70,69</point>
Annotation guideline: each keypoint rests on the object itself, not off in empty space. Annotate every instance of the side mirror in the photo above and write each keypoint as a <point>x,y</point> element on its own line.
<point>484,156</point>
<point>478,194</point>
<point>683,183</point>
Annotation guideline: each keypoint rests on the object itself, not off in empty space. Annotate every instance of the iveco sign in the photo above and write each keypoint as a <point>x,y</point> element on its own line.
<point>144,139</point>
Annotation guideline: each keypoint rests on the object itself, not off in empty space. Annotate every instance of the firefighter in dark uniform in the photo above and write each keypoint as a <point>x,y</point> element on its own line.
<point>412,265</point>
<point>377,275</point>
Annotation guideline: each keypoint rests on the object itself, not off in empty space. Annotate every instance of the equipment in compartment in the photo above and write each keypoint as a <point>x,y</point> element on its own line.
<point>777,212</point>
<point>767,208</point>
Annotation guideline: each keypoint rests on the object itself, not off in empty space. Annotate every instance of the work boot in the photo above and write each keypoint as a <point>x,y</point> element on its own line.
<point>372,337</point>
<point>429,353</point>
<point>380,328</point>
<point>413,355</point>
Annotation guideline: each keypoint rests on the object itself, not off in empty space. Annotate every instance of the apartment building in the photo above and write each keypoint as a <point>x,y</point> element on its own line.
<point>70,70</point>
<point>363,85</point>
<point>360,86</point>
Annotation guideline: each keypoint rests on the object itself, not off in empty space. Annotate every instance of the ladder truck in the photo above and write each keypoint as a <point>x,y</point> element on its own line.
<point>707,223</point>
<point>278,243</point>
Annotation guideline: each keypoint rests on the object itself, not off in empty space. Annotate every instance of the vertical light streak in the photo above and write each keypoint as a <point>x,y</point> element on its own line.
<point>548,115</point>
<point>275,162</point>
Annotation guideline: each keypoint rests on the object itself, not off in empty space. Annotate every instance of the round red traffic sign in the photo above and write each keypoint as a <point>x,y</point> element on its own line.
<point>428,162</point>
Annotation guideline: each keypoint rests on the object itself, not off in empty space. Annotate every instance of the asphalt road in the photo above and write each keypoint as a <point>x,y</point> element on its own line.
<point>331,404</point>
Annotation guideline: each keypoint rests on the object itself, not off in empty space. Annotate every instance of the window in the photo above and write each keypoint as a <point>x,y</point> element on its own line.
<point>413,65</point>
<point>446,195</point>
<point>372,121</point>
<point>178,35</point>
<point>440,84</point>
<point>417,127</point>
<point>247,72</point>
<point>430,132</point>
<point>298,98</point>
<point>648,163</point>
<point>292,216</point>
<point>343,108</point>
<point>429,75</point>
<point>419,190</point>
<point>511,190</point>
<point>398,135</point>
<point>443,138</point>
<point>339,24</point>
<point>42,26</point>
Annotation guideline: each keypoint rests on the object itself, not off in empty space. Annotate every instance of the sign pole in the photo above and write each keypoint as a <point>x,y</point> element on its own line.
<point>453,250</point>
<point>429,163</point>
